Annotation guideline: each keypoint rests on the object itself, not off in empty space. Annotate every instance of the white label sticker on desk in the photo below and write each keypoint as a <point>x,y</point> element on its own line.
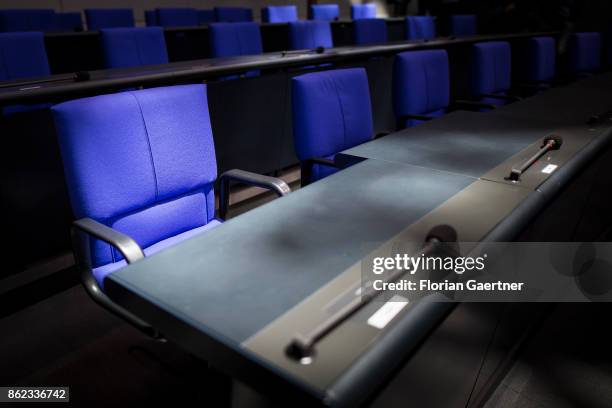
<point>387,312</point>
<point>549,168</point>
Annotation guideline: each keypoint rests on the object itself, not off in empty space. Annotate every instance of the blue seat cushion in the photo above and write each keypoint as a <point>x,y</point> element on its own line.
<point>421,83</point>
<point>23,55</point>
<point>100,273</point>
<point>463,25</point>
<point>491,62</point>
<point>132,47</point>
<point>177,17</point>
<point>324,12</point>
<point>420,28</point>
<point>359,11</point>
<point>310,34</point>
<point>279,14</point>
<point>541,53</point>
<point>584,52</point>
<point>98,19</point>
<point>233,14</point>
<point>14,20</point>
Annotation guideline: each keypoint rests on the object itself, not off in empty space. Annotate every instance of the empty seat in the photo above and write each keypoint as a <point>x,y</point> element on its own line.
<point>69,21</point>
<point>206,16</point>
<point>491,62</point>
<point>233,14</point>
<point>23,55</point>
<point>369,31</point>
<point>13,20</point>
<point>140,166</point>
<point>231,39</point>
<point>541,60</point>
<point>331,112</point>
<point>584,53</point>
<point>151,18</point>
<point>131,47</point>
<point>359,11</point>
<point>462,25</point>
<point>177,17</point>
<point>324,12</point>
<point>310,34</point>
<point>420,28</point>
<point>279,14</point>
<point>98,19</point>
<point>420,86</point>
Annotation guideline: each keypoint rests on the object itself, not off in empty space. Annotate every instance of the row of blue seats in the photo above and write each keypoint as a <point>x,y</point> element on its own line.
<point>49,20</point>
<point>159,141</point>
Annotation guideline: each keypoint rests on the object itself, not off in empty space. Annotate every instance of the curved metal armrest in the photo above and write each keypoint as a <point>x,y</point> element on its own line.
<point>252,179</point>
<point>462,104</point>
<point>130,250</point>
<point>512,98</point>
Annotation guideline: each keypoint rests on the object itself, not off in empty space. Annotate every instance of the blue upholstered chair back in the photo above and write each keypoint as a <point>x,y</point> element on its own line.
<point>69,21</point>
<point>151,18</point>
<point>369,31</point>
<point>324,12</point>
<point>420,28</point>
<point>231,39</point>
<point>206,16</point>
<point>132,47</point>
<point>541,59</point>
<point>462,25</point>
<point>13,20</point>
<point>98,19</point>
<point>359,11</point>
<point>233,14</point>
<point>420,84</point>
<point>584,52</point>
<point>310,34</point>
<point>279,14</point>
<point>141,162</point>
<point>177,17</point>
<point>23,55</point>
<point>491,63</point>
<point>331,112</point>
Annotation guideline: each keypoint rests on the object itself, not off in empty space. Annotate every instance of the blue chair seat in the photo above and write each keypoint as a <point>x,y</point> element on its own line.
<point>420,28</point>
<point>98,19</point>
<point>100,273</point>
<point>310,34</point>
<point>359,11</point>
<point>370,31</point>
<point>279,14</point>
<point>491,71</point>
<point>462,25</point>
<point>324,12</point>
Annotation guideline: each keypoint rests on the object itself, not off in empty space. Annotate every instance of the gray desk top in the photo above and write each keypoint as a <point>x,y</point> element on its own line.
<point>467,143</point>
<point>242,275</point>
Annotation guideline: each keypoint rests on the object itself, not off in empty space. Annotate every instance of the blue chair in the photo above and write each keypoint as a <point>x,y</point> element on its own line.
<point>206,16</point>
<point>13,20</point>
<point>133,47</point>
<point>279,14</point>
<point>359,11</point>
<point>233,14</point>
<point>69,21</point>
<point>541,61</point>
<point>461,25</point>
<point>369,31</point>
<point>140,168</point>
<point>331,112</point>
<point>491,79</point>
<point>324,12</point>
<point>22,56</point>
<point>232,39</point>
<point>310,34</point>
<point>151,18</point>
<point>98,19</point>
<point>420,86</point>
<point>177,17</point>
<point>584,53</point>
<point>420,28</point>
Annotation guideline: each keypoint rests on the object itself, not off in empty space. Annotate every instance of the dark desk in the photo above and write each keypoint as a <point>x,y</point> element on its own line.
<point>237,295</point>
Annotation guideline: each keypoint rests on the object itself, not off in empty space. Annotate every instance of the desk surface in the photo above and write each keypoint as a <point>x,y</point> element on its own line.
<point>236,295</point>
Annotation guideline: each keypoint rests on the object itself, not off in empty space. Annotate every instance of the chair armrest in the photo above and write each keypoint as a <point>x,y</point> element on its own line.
<point>512,98</point>
<point>459,104</point>
<point>252,179</point>
<point>130,250</point>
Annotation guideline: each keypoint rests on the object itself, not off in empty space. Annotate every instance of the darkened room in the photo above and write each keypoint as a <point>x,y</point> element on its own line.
<point>309,203</point>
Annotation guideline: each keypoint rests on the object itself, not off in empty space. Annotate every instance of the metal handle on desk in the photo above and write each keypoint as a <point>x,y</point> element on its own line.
<point>302,346</point>
<point>550,143</point>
